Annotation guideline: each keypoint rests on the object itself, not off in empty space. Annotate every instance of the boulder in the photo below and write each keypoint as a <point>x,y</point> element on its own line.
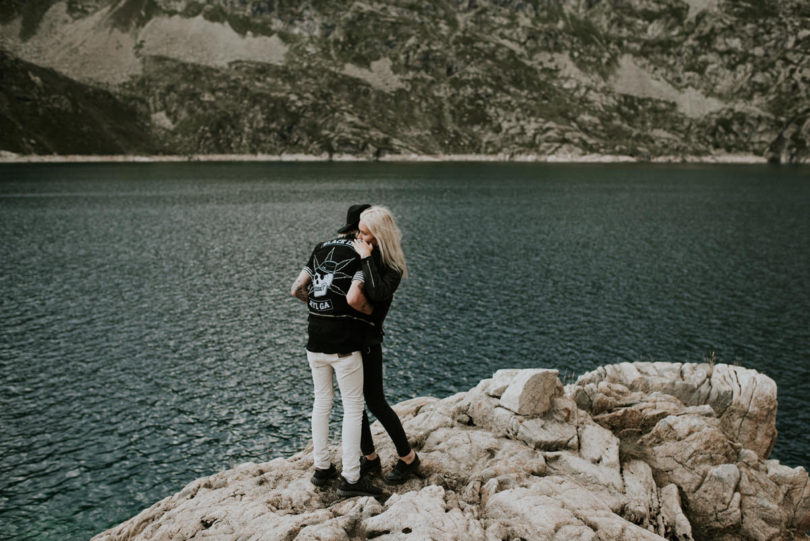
<point>744,400</point>
<point>530,391</point>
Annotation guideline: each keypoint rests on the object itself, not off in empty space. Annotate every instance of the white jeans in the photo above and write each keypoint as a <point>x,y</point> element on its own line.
<point>349,371</point>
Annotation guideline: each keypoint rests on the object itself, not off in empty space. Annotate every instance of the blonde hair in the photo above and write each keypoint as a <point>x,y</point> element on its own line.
<point>380,223</point>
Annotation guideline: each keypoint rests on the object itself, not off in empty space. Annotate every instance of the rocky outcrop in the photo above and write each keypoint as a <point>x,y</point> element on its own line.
<point>638,451</point>
<point>518,79</point>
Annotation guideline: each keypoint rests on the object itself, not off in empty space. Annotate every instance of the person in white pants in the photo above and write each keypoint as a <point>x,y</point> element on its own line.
<point>336,330</point>
<point>349,371</point>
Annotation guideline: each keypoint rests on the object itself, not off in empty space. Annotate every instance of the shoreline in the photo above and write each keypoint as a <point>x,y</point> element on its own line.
<point>728,159</point>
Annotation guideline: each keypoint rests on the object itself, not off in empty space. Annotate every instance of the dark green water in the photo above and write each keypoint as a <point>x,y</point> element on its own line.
<point>148,337</point>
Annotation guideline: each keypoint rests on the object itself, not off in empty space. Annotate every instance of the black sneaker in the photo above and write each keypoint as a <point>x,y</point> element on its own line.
<point>362,487</point>
<point>402,471</point>
<point>370,467</point>
<point>321,477</point>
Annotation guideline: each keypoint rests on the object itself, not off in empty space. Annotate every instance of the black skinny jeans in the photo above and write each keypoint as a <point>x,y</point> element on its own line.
<point>375,400</point>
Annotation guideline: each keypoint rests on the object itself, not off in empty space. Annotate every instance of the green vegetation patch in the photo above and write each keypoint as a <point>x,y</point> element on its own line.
<point>10,10</point>
<point>754,10</point>
<point>546,10</point>
<point>242,24</point>
<point>133,14</point>
<point>31,11</point>
<point>366,36</point>
<point>584,30</point>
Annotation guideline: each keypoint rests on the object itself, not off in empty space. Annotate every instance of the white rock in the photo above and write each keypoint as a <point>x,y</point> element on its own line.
<point>525,514</point>
<point>751,416</point>
<point>422,515</point>
<point>333,530</point>
<point>743,399</point>
<point>559,509</point>
<point>682,449</point>
<point>718,496</point>
<point>794,484</point>
<point>642,493</point>
<point>531,391</point>
<point>599,445</point>
<point>676,521</point>
<point>603,480</point>
<point>465,454</point>
<point>547,434</point>
<point>491,473</point>
<point>500,381</point>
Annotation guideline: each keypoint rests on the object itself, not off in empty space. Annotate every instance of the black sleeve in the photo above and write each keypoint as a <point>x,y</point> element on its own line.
<point>379,286</point>
<point>310,266</point>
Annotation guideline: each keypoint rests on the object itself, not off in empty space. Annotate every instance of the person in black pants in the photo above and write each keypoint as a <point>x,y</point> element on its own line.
<point>383,263</point>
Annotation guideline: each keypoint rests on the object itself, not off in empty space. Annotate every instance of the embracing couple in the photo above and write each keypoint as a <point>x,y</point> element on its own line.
<point>348,284</point>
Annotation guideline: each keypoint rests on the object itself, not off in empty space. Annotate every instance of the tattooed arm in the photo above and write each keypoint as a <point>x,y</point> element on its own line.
<point>357,299</point>
<point>299,287</point>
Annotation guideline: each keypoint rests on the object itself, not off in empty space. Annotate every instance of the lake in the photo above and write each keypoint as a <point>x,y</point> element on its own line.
<point>148,336</point>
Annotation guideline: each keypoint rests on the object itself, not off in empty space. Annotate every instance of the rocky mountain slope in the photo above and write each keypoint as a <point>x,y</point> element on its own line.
<point>630,452</point>
<point>42,111</point>
<point>525,79</point>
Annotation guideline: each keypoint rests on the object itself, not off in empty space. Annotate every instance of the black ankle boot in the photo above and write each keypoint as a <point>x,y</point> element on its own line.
<point>402,471</point>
